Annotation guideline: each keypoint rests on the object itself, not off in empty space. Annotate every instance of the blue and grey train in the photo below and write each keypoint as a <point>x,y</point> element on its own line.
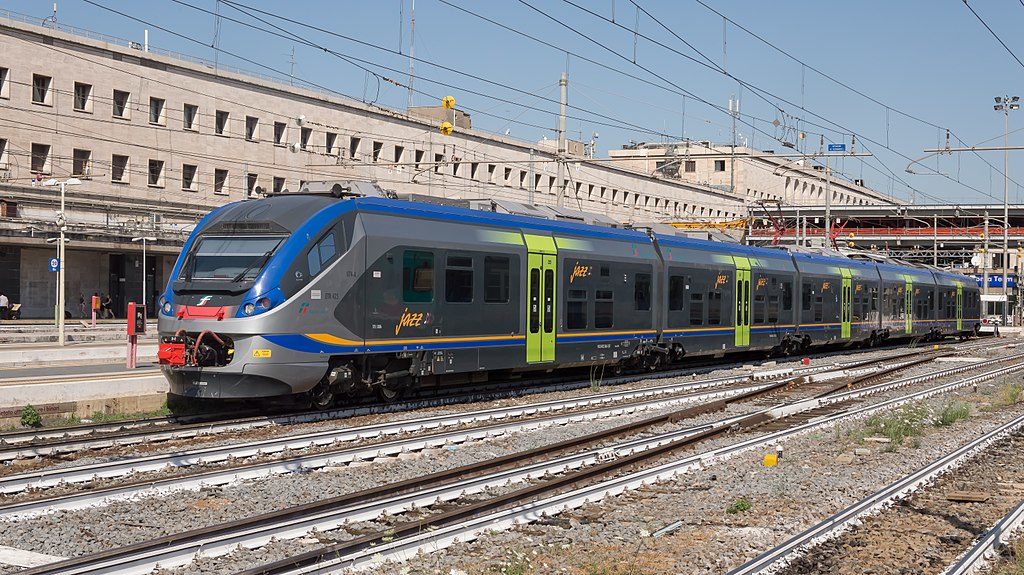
<point>322,295</point>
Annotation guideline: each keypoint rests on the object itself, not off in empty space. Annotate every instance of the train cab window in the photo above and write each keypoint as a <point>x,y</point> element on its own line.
<point>320,254</point>
<point>496,279</point>
<point>458,279</point>
<point>576,310</point>
<point>676,293</point>
<point>787,296</point>
<point>696,308</point>
<point>603,305</point>
<point>417,276</point>
<point>715,308</point>
<point>642,291</point>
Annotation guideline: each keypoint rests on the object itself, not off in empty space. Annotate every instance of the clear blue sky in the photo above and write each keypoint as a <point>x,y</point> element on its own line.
<point>932,58</point>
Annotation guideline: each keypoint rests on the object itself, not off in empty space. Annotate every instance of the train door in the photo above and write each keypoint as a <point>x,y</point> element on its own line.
<point>908,304</point>
<point>845,305</point>
<point>742,301</point>
<point>959,306</point>
<point>540,299</point>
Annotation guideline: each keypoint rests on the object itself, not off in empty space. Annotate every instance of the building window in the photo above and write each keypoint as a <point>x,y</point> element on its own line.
<point>188,177</point>
<point>280,133</point>
<point>438,161</point>
<point>251,181</point>
<point>458,280</point>
<point>83,97</point>
<point>418,158</point>
<point>156,173</point>
<point>417,276</point>
<point>190,117</point>
<point>278,185</point>
<point>252,128</point>
<point>220,182</point>
<point>331,143</point>
<point>399,154</point>
<point>719,165</point>
<point>5,84</point>
<point>119,169</point>
<point>81,163</point>
<point>377,148</point>
<point>304,135</point>
<point>690,166</point>
<point>474,167</point>
<point>41,89</point>
<point>3,153</point>
<point>221,125</point>
<point>156,111</point>
<point>121,108</point>
<point>353,147</point>
<point>41,158</point>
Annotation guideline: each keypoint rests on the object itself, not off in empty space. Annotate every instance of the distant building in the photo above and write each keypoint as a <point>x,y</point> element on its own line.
<point>159,139</point>
<point>759,175</point>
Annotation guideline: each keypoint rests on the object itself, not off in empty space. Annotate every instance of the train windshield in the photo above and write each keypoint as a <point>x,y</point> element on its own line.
<point>230,258</point>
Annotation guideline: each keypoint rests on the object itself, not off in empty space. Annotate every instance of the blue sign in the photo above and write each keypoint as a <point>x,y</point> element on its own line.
<point>996,280</point>
<point>837,147</point>
<point>54,265</point>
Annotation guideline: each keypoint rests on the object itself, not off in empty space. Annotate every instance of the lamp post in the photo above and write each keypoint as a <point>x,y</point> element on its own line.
<point>1004,104</point>
<point>62,223</point>
<point>143,239</point>
<point>56,312</point>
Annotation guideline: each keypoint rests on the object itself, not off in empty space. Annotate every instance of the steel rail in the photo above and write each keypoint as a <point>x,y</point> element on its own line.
<point>400,544</point>
<point>986,549</point>
<point>50,477</point>
<point>178,549</point>
<point>38,443</point>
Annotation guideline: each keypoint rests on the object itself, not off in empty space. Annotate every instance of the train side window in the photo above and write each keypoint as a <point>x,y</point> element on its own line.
<point>773,309</point>
<point>417,276</point>
<point>819,310</point>
<point>458,279</point>
<point>496,279</point>
<point>759,309</point>
<point>676,293</point>
<point>874,299</point>
<point>321,253</point>
<point>805,299</point>
<point>715,308</point>
<point>696,308</point>
<point>787,296</point>
<point>576,310</point>
<point>603,308</point>
<point>534,300</point>
<point>642,291</point>
<point>605,271</point>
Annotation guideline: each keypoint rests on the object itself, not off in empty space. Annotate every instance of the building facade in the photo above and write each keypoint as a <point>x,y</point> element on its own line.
<point>754,174</point>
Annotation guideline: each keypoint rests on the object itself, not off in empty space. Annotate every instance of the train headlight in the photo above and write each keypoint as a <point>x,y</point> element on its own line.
<point>264,302</point>
<point>167,307</point>
<point>249,309</point>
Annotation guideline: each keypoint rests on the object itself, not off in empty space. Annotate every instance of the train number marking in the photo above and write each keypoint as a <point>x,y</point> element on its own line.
<point>409,319</point>
<point>721,280</point>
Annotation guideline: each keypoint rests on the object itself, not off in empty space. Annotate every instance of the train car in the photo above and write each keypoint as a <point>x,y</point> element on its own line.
<point>351,290</point>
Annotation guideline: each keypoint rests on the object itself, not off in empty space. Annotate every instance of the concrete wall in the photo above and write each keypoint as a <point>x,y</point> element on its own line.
<point>85,272</point>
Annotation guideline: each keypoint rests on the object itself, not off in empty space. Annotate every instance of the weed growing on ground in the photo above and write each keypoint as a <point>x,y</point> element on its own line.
<point>1014,564</point>
<point>739,506</point>
<point>1008,395</point>
<point>518,563</point>
<point>952,413</point>
<point>898,426</point>
<point>30,417</point>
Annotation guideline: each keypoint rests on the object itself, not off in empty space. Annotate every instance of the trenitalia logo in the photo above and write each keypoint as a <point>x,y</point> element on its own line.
<point>205,300</point>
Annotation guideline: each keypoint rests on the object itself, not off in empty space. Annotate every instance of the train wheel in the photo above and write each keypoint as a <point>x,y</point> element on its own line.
<point>321,397</point>
<point>388,393</point>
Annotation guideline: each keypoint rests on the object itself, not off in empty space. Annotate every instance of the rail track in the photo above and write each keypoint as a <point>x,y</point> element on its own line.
<point>65,440</point>
<point>595,468</point>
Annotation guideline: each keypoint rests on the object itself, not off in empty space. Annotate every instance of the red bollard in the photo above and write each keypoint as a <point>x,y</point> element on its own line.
<point>95,308</point>
<point>806,361</point>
